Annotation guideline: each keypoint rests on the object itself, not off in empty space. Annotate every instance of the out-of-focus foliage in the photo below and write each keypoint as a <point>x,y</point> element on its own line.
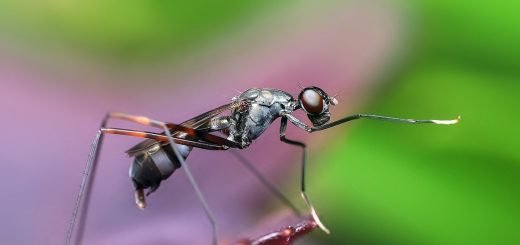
<point>427,184</point>
<point>131,31</point>
<point>482,34</point>
<point>375,182</point>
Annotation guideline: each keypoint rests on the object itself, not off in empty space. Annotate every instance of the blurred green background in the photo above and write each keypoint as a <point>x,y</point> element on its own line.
<point>126,32</point>
<point>373,182</point>
<point>436,185</point>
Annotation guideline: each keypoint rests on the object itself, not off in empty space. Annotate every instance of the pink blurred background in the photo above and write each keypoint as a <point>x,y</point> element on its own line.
<point>52,100</point>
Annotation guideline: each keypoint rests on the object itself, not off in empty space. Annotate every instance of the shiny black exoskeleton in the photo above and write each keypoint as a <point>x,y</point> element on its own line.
<point>250,114</point>
<point>254,111</point>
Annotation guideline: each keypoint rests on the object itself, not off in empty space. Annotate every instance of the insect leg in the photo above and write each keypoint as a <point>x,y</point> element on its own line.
<point>270,186</point>
<point>283,127</point>
<point>194,184</point>
<point>298,123</point>
<point>86,183</point>
<point>163,138</point>
<point>382,118</point>
<point>167,127</point>
<point>195,133</point>
<point>90,167</point>
<point>90,170</point>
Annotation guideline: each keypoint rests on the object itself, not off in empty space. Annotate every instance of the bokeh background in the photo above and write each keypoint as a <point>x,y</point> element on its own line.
<point>63,64</point>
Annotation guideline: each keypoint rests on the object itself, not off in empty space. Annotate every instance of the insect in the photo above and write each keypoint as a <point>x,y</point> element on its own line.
<point>241,121</point>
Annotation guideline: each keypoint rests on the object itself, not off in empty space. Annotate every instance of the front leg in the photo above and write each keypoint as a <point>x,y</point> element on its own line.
<point>283,127</point>
<point>309,129</point>
<point>295,121</point>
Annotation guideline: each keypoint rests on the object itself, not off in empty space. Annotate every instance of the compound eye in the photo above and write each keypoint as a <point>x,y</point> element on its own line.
<point>312,101</point>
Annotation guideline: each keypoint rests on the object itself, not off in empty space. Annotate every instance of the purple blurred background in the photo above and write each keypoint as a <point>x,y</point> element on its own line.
<point>52,100</point>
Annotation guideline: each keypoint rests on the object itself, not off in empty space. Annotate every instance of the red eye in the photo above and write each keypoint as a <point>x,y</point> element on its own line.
<point>312,101</point>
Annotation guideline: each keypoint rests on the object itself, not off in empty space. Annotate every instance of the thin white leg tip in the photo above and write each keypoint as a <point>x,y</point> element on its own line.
<point>447,122</point>
<point>318,221</point>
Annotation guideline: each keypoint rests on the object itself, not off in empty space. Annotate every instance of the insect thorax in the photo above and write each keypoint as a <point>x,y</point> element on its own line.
<point>264,106</point>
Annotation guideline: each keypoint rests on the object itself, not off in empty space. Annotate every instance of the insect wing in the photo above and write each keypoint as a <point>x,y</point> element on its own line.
<point>195,123</point>
<point>204,118</point>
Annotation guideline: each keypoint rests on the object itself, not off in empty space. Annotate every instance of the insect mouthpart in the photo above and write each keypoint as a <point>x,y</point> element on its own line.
<point>320,119</point>
<point>333,100</point>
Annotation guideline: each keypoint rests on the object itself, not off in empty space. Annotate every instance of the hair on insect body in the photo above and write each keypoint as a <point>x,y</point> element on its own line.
<point>242,120</point>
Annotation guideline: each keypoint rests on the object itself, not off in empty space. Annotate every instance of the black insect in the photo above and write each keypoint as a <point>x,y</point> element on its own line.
<point>250,114</point>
